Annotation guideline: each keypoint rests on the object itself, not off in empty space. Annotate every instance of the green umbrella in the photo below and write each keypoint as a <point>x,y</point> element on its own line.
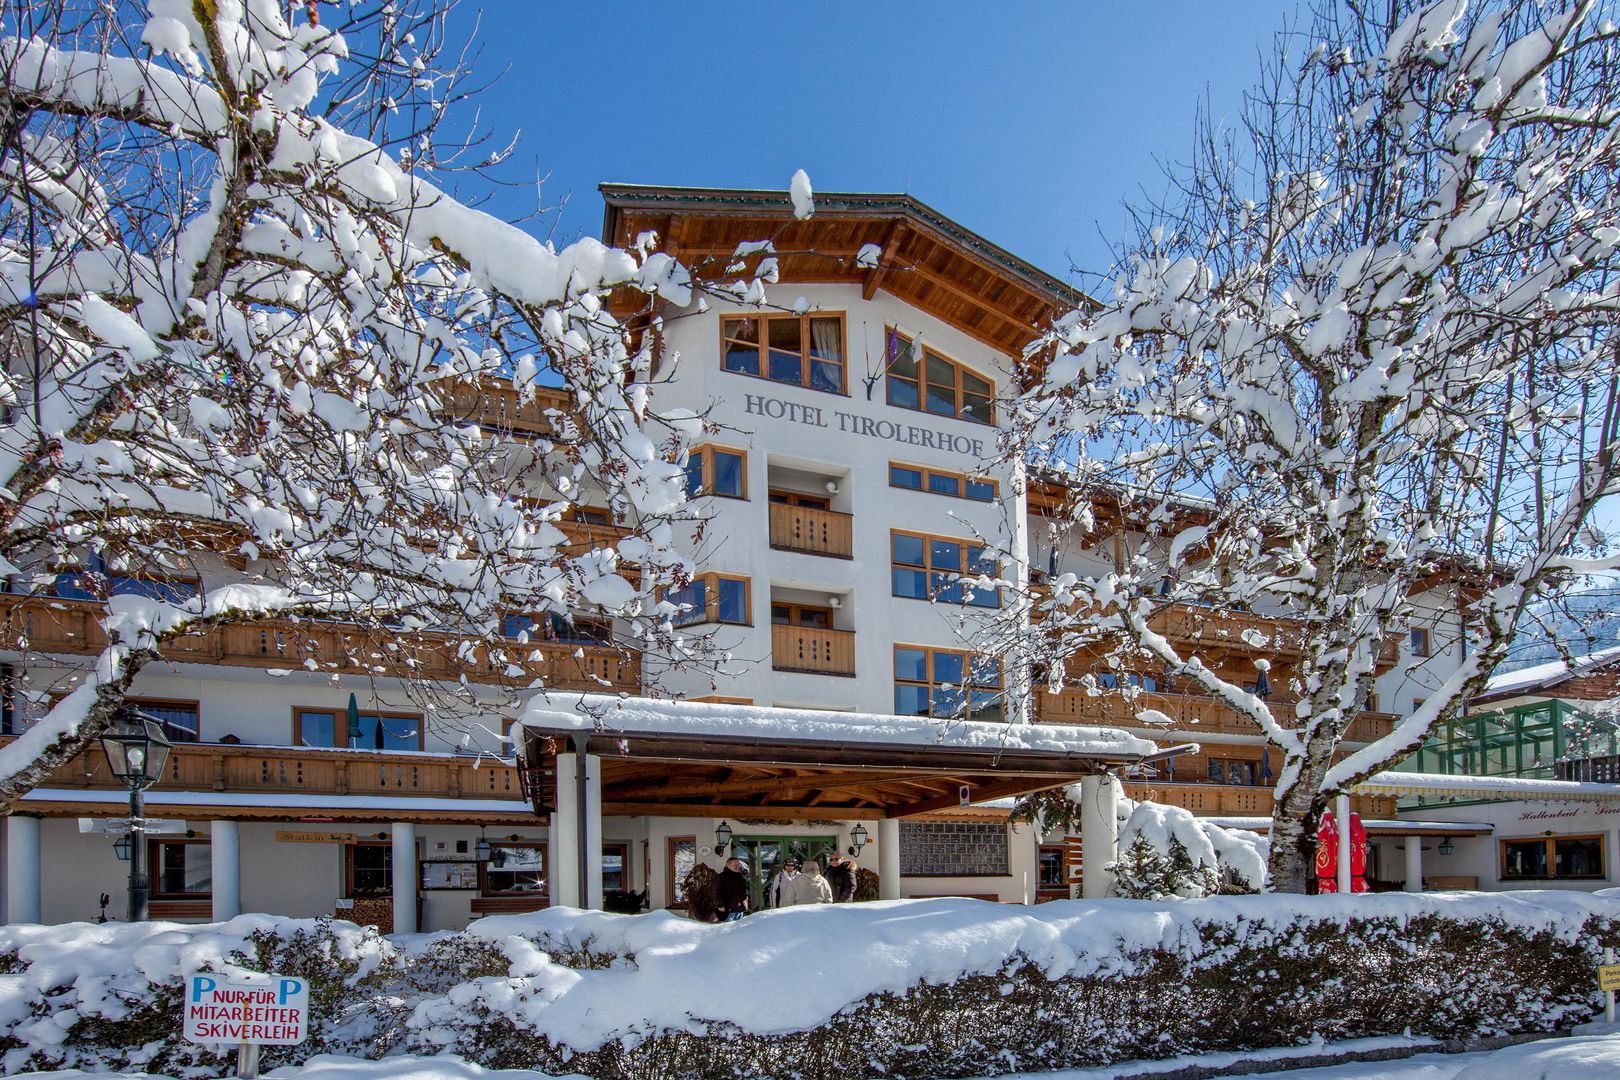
<point>354,720</point>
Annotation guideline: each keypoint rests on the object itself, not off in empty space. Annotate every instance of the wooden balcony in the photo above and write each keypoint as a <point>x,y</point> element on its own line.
<point>494,404</point>
<point>808,649</point>
<point>815,532</point>
<point>73,626</point>
<point>288,770</point>
<point>1228,800</point>
<point>1213,631</point>
<point>1191,712</point>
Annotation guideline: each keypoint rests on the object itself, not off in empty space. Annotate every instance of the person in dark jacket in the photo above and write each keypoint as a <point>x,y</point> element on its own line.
<point>731,891</point>
<point>840,874</point>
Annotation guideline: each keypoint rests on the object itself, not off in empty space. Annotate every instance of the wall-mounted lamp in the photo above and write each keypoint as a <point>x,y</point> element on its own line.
<point>857,840</point>
<point>835,602</point>
<point>1446,847</point>
<point>722,838</point>
<point>832,487</point>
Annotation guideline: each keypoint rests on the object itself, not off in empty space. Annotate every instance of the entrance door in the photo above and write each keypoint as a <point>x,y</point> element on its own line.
<point>762,858</point>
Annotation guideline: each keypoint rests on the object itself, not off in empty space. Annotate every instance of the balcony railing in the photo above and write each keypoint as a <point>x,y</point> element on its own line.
<point>817,532</point>
<point>494,404</point>
<point>1593,770</point>
<point>1191,712</point>
<point>241,769</point>
<point>73,626</point>
<point>1219,800</point>
<point>808,649</point>
<point>1226,629</point>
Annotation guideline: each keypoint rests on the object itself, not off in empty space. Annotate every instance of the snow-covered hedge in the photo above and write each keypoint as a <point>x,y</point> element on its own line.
<point>903,988</point>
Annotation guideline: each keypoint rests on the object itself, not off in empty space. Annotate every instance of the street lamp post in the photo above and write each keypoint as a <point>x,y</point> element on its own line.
<point>136,750</point>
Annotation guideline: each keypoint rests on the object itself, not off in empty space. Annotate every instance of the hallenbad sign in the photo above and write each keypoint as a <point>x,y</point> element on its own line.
<point>851,424</point>
<point>274,1011</point>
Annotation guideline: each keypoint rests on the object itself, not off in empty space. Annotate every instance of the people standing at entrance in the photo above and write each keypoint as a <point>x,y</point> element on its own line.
<point>777,890</point>
<point>731,891</point>
<point>841,877</point>
<point>808,888</point>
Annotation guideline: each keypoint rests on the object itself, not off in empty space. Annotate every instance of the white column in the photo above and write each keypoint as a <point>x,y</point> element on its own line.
<point>564,847</point>
<point>1414,864</point>
<point>1341,818</point>
<point>1099,835</point>
<point>22,869</point>
<point>888,838</point>
<point>593,831</point>
<point>225,868</point>
<point>404,878</point>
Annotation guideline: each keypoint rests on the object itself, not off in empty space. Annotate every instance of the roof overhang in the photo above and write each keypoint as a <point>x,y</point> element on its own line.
<point>924,258</point>
<point>709,760</point>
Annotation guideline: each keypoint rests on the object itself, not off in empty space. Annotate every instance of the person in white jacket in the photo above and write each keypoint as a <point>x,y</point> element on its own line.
<point>808,888</point>
<point>776,892</point>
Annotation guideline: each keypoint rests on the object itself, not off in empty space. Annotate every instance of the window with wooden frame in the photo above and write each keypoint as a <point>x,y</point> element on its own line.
<point>96,582</point>
<point>934,384</point>
<point>1419,641</point>
<point>182,720</point>
<point>815,616</point>
<point>1553,858</point>
<point>588,515</point>
<point>713,598</point>
<point>942,482</point>
<point>1052,879</point>
<point>946,683</point>
<point>795,498</point>
<point>1235,771</point>
<point>799,350</point>
<point>924,567</point>
<point>561,629</point>
<point>680,859</point>
<point>717,470</point>
<point>181,869</point>
<point>615,867</point>
<point>368,869</point>
<point>721,699</point>
<point>322,728</point>
<point>514,868</point>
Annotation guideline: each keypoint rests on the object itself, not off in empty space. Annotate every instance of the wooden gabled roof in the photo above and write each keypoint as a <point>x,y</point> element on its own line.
<point>925,259</point>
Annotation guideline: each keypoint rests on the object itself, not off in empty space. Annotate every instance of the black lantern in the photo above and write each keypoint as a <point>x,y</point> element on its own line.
<point>722,838</point>
<point>857,840</point>
<point>137,750</point>
<point>1447,847</point>
<point>121,847</point>
<point>481,850</point>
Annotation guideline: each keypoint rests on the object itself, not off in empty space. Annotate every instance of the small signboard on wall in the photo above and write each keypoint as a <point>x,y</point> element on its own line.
<point>449,874</point>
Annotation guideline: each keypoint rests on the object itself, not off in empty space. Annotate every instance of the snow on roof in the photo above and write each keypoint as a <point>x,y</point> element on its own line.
<point>1487,787</point>
<point>1538,676</point>
<point>350,803</point>
<point>1263,824</point>
<point>588,712</point>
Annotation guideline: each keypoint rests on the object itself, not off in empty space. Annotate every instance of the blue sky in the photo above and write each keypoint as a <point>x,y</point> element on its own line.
<point>1028,124</point>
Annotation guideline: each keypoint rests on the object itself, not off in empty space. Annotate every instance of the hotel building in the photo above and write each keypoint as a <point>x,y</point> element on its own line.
<point>848,482</point>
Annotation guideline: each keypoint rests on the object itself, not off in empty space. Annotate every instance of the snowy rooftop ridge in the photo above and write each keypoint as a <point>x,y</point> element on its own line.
<point>590,712</point>
<point>1540,676</point>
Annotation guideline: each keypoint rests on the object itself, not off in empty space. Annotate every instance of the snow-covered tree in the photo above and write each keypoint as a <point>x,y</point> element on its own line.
<point>244,327</point>
<point>1365,351</point>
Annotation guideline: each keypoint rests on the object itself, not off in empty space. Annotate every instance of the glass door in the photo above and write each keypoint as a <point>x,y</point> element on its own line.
<point>762,858</point>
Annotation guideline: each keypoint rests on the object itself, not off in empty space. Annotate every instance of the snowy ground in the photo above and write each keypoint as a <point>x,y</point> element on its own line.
<point>1583,1057</point>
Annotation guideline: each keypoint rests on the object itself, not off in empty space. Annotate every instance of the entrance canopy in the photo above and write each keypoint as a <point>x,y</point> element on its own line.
<point>697,759</point>
<point>1486,787</point>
